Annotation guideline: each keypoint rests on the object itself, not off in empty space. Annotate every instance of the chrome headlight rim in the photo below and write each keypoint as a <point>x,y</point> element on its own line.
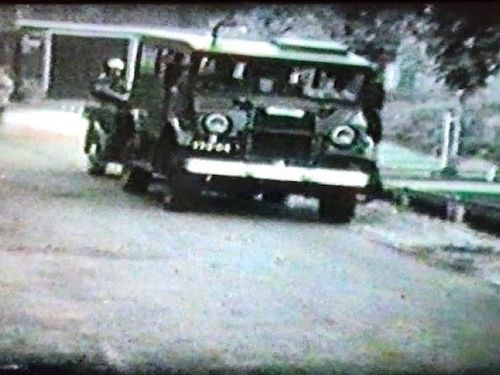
<point>336,133</point>
<point>208,125</point>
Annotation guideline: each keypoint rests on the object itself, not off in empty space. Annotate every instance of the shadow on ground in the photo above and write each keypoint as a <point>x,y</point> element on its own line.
<point>56,364</point>
<point>297,209</point>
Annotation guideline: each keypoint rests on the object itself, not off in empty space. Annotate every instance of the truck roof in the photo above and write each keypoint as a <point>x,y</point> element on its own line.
<point>313,51</point>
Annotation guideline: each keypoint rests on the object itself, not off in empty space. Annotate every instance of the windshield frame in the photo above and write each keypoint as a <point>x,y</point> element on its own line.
<point>258,69</point>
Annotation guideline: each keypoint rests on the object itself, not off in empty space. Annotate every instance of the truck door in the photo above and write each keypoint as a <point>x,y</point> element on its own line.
<point>147,92</point>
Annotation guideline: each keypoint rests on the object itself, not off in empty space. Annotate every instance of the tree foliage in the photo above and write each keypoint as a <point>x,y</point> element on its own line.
<point>465,40</point>
<point>374,32</point>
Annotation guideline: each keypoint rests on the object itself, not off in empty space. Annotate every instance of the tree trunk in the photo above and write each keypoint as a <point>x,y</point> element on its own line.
<point>457,128</point>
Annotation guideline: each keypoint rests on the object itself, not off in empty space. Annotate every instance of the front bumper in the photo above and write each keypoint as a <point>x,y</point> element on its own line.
<point>277,172</point>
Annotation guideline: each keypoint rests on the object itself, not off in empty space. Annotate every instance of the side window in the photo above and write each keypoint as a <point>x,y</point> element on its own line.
<point>148,60</point>
<point>147,86</point>
<point>349,85</point>
<point>239,70</point>
<point>207,66</point>
<point>266,85</point>
<point>164,57</point>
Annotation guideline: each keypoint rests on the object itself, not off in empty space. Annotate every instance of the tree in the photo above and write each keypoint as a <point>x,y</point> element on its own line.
<point>370,30</point>
<point>462,39</point>
<point>465,40</point>
<point>290,19</point>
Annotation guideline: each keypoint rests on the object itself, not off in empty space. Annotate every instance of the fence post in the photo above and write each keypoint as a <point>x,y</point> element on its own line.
<point>455,210</point>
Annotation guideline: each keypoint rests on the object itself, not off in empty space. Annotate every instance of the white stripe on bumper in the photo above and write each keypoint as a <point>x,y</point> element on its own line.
<point>323,176</point>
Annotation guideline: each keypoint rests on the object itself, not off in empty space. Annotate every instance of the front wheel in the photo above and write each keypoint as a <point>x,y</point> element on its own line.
<point>184,192</point>
<point>96,168</point>
<point>339,208</point>
<point>274,197</point>
<point>138,180</point>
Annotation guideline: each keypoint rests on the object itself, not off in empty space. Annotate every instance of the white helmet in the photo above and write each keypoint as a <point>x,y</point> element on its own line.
<point>116,63</point>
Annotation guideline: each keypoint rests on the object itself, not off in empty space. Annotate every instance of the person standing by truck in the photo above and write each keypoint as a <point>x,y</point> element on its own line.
<point>372,101</point>
<point>111,90</point>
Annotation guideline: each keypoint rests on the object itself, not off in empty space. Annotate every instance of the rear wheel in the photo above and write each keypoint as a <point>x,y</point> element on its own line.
<point>138,180</point>
<point>96,168</point>
<point>239,199</point>
<point>184,192</point>
<point>338,208</point>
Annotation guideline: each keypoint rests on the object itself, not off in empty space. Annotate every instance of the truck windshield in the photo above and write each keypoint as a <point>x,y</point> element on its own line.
<point>222,73</point>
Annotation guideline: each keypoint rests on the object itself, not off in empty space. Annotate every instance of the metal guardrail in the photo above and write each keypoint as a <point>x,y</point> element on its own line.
<point>479,175</point>
<point>476,208</point>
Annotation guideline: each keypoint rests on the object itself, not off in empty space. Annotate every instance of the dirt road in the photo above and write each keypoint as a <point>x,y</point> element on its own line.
<point>92,276</point>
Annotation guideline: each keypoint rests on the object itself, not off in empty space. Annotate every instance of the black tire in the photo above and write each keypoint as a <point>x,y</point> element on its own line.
<point>138,181</point>
<point>245,196</point>
<point>184,192</point>
<point>96,168</point>
<point>239,198</point>
<point>339,209</point>
<point>274,196</point>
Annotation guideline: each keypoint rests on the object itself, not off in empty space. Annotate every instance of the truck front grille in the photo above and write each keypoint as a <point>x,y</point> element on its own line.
<point>282,146</point>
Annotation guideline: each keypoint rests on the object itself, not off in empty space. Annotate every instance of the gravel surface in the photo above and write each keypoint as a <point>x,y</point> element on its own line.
<point>92,276</point>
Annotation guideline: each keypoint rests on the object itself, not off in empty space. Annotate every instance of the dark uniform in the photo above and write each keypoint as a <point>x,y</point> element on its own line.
<point>115,116</point>
<point>372,100</point>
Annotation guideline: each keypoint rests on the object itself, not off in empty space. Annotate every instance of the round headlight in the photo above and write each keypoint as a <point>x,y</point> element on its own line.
<point>216,123</point>
<point>343,136</point>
